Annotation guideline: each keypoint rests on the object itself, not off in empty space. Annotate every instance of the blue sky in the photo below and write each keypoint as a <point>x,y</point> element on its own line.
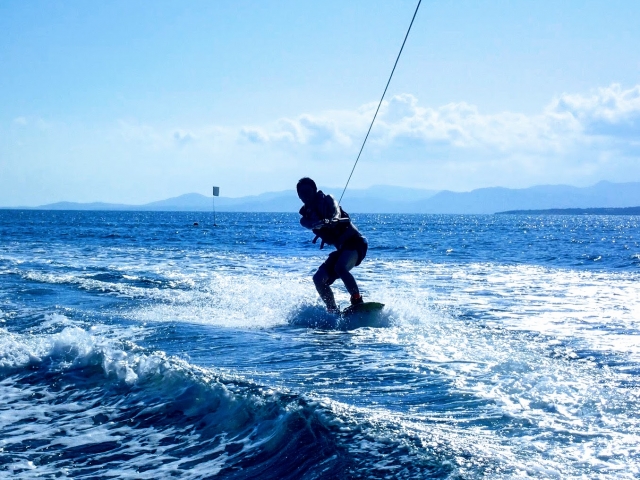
<point>137,101</point>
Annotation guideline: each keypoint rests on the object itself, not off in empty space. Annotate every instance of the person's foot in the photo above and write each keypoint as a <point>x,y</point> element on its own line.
<point>356,299</point>
<point>333,310</point>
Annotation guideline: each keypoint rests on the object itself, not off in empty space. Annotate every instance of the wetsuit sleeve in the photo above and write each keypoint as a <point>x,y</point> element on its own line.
<point>306,219</point>
<point>326,209</point>
<point>330,209</point>
<point>307,222</point>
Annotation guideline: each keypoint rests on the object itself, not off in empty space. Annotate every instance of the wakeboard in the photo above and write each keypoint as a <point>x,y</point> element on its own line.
<point>365,314</point>
<point>366,307</point>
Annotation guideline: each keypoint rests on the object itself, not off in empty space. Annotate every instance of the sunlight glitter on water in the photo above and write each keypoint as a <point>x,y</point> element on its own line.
<point>488,369</point>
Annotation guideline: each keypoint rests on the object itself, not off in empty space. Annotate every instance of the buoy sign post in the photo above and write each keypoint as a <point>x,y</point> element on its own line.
<point>216,193</point>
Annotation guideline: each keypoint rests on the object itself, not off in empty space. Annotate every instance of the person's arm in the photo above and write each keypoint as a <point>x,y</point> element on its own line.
<point>306,219</point>
<point>307,223</point>
<point>330,209</point>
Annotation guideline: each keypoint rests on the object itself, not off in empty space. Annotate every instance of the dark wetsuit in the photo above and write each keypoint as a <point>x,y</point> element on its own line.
<point>332,225</point>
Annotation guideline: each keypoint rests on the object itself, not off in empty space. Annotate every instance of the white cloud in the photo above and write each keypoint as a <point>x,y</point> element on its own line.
<point>254,135</point>
<point>611,104</point>
<point>167,139</point>
<point>183,137</point>
<point>575,139</point>
<point>571,129</point>
<point>304,130</point>
<point>461,126</point>
<point>610,113</point>
<point>605,121</point>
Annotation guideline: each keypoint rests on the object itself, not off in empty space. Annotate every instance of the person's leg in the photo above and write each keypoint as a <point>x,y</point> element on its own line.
<point>322,281</point>
<point>346,261</point>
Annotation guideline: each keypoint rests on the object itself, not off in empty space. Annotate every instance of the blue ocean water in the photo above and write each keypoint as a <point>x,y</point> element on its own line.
<point>137,345</point>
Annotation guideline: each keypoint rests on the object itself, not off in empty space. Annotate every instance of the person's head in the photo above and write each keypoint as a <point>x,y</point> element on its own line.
<point>306,189</point>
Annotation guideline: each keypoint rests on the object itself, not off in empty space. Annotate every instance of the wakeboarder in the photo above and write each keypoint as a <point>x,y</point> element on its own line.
<point>325,218</point>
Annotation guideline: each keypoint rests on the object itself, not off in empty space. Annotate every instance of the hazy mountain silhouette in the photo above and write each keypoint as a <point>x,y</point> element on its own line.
<point>497,199</point>
<point>389,199</point>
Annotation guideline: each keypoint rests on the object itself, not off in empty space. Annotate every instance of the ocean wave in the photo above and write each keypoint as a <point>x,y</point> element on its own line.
<point>500,361</point>
<point>83,402</point>
<point>110,283</point>
<point>78,405</point>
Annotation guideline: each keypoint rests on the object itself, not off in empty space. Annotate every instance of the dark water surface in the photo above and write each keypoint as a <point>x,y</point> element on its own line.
<point>136,345</point>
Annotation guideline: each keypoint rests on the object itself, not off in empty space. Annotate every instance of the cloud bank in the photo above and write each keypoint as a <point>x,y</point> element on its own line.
<point>607,118</point>
<point>576,139</point>
<point>606,121</point>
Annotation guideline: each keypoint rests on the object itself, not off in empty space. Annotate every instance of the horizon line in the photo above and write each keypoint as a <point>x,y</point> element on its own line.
<point>17,207</point>
<point>434,191</point>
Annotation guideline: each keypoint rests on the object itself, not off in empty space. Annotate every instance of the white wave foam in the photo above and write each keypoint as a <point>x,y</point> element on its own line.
<point>527,344</point>
<point>197,421</point>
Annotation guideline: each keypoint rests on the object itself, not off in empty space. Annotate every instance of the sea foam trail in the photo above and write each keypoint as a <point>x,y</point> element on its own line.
<point>511,350</point>
<point>80,406</point>
<point>490,367</point>
<point>446,370</point>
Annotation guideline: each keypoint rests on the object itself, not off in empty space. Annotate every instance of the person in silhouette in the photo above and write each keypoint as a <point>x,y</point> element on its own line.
<point>328,221</point>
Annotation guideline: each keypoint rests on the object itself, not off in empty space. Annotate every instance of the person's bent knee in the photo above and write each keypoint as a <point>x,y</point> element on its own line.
<point>320,278</point>
<point>341,270</point>
<point>346,262</point>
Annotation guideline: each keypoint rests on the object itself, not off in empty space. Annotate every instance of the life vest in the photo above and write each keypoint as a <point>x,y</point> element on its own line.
<point>341,234</point>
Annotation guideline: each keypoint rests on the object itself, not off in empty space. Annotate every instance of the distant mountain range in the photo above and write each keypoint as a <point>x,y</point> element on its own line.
<point>389,199</point>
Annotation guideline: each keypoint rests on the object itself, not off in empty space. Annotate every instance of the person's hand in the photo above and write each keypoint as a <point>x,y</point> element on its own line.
<point>321,224</point>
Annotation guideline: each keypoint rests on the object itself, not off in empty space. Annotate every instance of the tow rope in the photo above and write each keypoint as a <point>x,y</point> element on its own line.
<point>380,103</point>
